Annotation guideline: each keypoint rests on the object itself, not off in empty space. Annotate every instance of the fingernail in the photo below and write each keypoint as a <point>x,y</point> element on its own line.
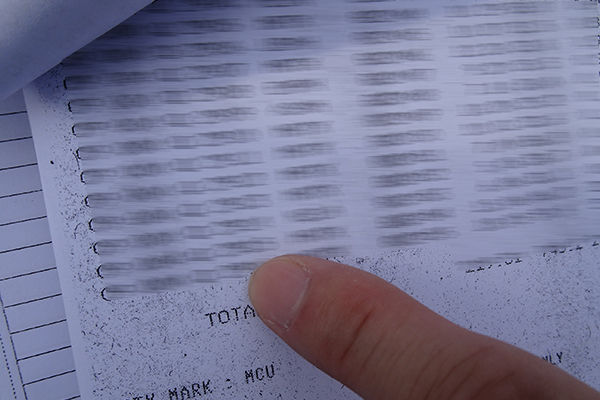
<point>276,290</point>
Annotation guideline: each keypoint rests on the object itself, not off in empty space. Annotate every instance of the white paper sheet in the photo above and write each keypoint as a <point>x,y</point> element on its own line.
<point>168,345</point>
<point>214,138</point>
<point>207,341</point>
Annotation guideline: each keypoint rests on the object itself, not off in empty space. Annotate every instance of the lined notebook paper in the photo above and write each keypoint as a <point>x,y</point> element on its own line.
<point>36,358</point>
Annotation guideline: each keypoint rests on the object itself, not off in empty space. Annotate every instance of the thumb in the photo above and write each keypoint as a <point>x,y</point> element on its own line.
<point>381,343</point>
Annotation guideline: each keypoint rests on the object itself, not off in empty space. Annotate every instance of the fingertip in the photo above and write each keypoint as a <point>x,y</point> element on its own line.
<point>276,289</point>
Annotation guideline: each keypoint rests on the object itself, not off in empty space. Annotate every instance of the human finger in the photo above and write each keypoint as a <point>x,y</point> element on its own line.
<point>383,344</point>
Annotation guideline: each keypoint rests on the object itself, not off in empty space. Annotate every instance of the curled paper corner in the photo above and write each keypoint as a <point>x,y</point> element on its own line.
<point>35,35</point>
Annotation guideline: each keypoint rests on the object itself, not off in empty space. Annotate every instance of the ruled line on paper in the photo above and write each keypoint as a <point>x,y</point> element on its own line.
<point>25,274</point>
<point>58,386</point>
<point>34,300</point>
<point>15,139</point>
<point>25,247</point>
<point>24,220</point>
<point>49,377</point>
<point>18,166</point>
<point>13,113</point>
<point>39,326</point>
<point>45,352</point>
<point>20,194</point>
<point>20,181</point>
